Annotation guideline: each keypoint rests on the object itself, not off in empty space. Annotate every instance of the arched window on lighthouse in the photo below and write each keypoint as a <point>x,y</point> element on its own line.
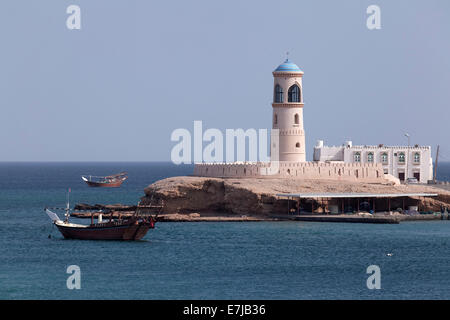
<point>278,94</point>
<point>296,119</point>
<point>294,94</point>
<point>275,119</point>
<point>297,145</point>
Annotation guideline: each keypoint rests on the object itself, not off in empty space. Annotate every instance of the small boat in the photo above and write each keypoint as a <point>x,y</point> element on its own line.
<point>131,228</point>
<point>112,181</point>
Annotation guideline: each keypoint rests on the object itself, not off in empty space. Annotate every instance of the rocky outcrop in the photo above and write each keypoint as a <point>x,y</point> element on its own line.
<point>257,196</point>
<point>194,194</point>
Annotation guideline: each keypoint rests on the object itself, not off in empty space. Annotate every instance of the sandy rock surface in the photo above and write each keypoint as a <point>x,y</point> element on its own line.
<point>258,195</point>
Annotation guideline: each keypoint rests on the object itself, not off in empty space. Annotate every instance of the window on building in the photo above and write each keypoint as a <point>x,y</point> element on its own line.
<point>417,157</point>
<point>297,145</point>
<point>401,157</point>
<point>296,119</point>
<point>357,157</point>
<point>278,94</point>
<point>294,94</point>
<point>384,157</point>
<point>275,119</point>
<point>370,157</point>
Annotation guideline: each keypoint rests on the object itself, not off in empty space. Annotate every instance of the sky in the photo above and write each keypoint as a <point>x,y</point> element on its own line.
<point>117,88</point>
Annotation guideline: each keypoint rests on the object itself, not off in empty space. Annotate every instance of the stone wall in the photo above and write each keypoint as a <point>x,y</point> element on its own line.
<point>301,170</point>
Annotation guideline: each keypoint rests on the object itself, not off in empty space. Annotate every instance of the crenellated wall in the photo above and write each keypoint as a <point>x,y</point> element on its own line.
<point>301,170</point>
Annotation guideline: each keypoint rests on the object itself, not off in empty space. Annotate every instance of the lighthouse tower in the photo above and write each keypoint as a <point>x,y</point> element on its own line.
<point>288,112</point>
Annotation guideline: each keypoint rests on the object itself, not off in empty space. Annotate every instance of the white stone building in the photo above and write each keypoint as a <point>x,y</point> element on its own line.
<point>399,161</point>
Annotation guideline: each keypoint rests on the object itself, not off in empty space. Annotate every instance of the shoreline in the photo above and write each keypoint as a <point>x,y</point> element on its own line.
<point>346,218</point>
<point>338,218</point>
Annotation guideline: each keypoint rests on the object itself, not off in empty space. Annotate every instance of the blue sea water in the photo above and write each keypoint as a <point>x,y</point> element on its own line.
<point>254,260</point>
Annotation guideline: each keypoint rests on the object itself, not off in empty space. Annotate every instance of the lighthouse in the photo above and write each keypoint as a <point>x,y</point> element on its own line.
<point>287,114</point>
<point>287,144</point>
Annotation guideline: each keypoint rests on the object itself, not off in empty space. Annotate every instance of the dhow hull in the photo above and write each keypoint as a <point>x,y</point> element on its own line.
<point>117,232</point>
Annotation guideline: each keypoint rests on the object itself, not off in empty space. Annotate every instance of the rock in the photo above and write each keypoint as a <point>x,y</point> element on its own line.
<point>257,196</point>
<point>194,215</point>
<point>194,194</point>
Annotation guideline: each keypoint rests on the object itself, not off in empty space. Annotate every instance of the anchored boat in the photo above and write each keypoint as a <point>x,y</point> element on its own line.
<point>112,181</point>
<point>134,227</point>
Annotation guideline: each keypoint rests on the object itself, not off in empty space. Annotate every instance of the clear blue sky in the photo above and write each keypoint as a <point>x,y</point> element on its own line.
<point>137,70</point>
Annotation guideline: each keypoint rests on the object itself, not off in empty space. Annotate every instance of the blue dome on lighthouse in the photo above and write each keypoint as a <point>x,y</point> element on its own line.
<point>288,66</point>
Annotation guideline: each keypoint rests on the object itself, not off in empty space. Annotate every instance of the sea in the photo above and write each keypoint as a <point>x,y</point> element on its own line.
<point>204,260</point>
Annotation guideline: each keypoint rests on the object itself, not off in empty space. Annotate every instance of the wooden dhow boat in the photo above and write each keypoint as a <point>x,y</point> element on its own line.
<point>134,227</point>
<point>112,181</point>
